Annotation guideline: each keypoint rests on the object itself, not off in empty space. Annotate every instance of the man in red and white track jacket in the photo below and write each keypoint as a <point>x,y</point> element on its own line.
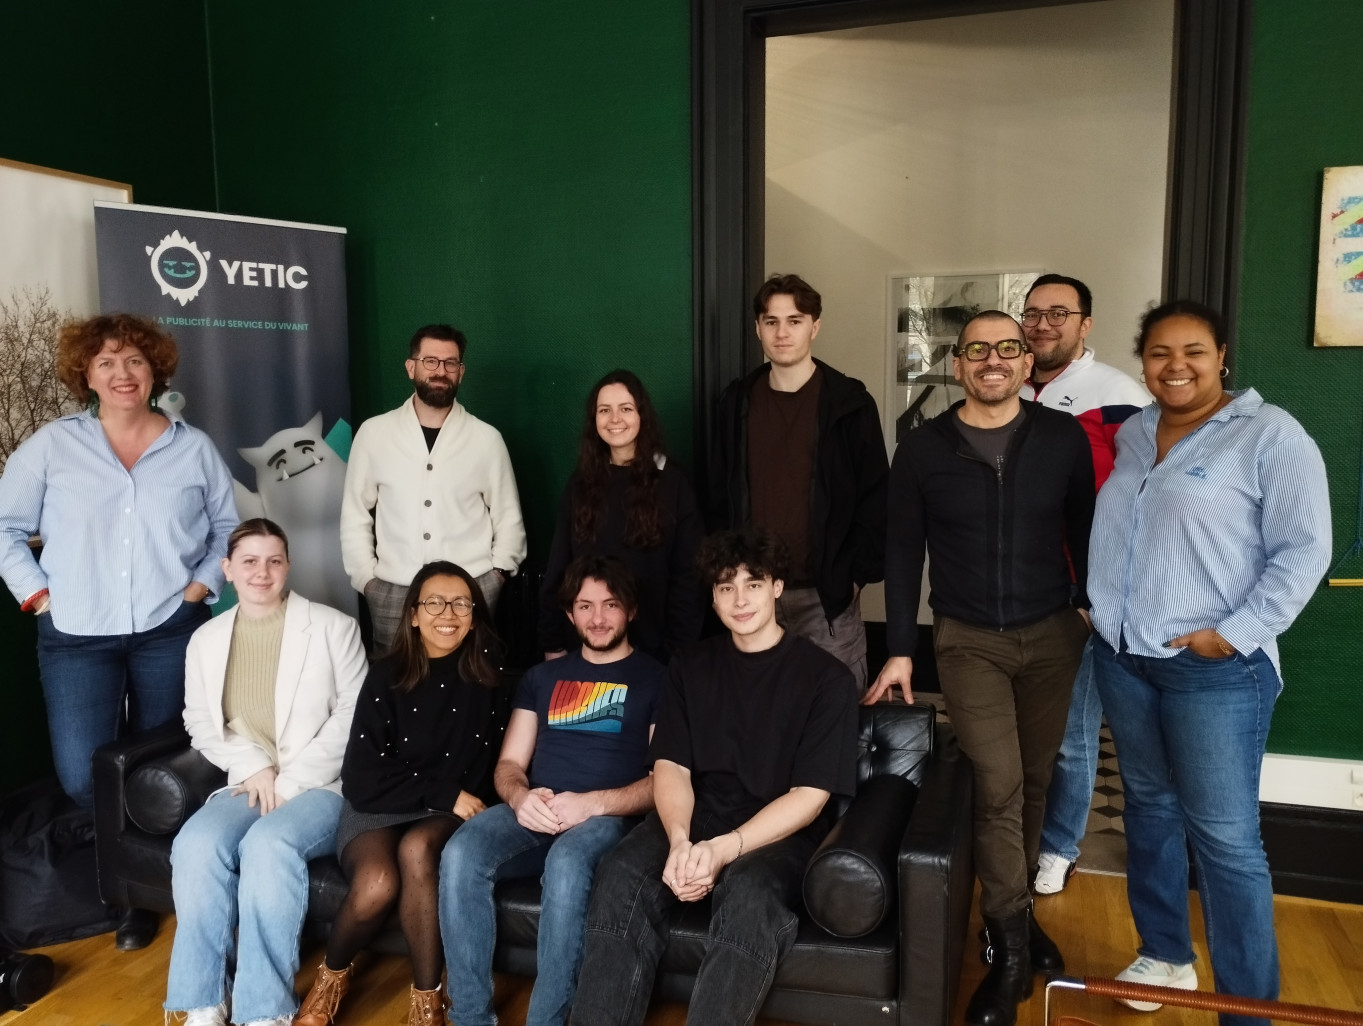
<point>1065,376</point>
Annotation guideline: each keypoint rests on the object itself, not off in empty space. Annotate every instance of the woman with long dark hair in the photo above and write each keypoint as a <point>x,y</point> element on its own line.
<point>627,499</point>
<point>423,743</point>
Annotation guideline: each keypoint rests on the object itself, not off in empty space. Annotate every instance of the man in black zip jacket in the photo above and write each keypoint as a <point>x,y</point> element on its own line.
<point>798,449</point>
<point>999,492</point>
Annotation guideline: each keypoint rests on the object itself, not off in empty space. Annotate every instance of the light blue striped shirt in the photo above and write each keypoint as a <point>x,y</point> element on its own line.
<point>1231,530</point>
<point>119,546</point>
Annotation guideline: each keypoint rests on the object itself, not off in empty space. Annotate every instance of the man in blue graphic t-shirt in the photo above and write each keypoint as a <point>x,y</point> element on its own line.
<point>573,773</point>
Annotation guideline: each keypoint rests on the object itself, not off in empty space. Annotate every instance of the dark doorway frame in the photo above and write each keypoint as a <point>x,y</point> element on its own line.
<point>1206,165</point>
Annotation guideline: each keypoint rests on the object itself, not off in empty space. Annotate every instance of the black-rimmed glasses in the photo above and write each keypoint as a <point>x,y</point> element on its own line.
<point>434,363</point>
<point>1008,349</point>
<point>436,604</point>
<point>1055,316</point>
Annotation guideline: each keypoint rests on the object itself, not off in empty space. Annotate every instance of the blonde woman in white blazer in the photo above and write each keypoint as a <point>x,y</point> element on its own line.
<point>270,691</point>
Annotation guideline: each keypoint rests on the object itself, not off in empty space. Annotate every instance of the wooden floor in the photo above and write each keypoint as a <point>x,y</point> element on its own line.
<point>1321,953</point>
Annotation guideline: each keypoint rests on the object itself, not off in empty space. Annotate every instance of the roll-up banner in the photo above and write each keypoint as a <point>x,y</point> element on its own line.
<point>258,309</point>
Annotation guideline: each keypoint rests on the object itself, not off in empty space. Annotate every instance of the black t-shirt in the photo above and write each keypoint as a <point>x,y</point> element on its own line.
<point>990,444</point>
<point>593,720</point>
<point>752,725</point>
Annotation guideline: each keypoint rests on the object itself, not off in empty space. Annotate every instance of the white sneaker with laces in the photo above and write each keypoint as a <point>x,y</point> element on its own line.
<point>211,1015</point>
<point>1052,873</point>
<point>1157,974</point>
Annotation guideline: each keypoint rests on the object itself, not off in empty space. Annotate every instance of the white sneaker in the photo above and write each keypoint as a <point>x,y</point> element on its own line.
<point>1157,974</point>
<point>278,1020</point>
<point>1052,873</point>
<point>212,1015</point>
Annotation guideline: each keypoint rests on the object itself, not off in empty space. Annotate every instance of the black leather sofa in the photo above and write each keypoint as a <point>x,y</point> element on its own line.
<point>887,895</point>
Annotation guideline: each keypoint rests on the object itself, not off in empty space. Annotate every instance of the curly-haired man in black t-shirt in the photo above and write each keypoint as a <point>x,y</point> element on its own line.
<point>756,730</point>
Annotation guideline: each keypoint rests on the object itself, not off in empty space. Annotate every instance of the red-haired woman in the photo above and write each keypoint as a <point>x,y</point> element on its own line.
<point>134,510</point>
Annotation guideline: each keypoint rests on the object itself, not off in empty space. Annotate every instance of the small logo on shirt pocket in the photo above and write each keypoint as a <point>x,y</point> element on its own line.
<point>1198,472</point>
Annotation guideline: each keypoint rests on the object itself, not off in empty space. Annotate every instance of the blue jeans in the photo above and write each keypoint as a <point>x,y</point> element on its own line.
<point>236,871</point>
<point>752,928</point>
<point>492,846</point>
<point>1076,765</point>
<point>1190,734</point>
<point>87,677</point>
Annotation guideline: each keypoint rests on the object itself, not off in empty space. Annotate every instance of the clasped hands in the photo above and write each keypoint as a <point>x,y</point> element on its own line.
<point>546,812</point>
<point>691,869</point>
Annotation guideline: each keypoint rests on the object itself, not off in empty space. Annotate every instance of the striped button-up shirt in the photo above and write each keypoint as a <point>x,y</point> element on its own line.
<point>1231,531</point>
<point>119,546</point>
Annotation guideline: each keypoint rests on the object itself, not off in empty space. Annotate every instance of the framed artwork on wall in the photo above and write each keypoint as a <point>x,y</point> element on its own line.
<point>926,313</point>
<point>1339,271</point>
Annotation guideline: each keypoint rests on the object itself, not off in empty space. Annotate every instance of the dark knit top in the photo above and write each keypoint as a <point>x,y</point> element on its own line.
<point>417,750</point>
<point>670,603</point>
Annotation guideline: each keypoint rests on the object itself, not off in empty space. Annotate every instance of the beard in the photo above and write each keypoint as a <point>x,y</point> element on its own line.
<point>1059,356</point>
<point>614,641</point>
<point>439,394</point>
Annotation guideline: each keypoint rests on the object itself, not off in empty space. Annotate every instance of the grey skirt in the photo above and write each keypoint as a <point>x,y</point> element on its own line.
<point>353,822</point>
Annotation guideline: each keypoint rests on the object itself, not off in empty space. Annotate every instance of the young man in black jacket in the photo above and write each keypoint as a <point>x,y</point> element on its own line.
<point>1000,493</point>
<point>798,450</point>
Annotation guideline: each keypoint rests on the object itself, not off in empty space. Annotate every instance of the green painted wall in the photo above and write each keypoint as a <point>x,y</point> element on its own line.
<point>524,172</point>
<point>117,91</point>
<point>1303,118</point>
<point>521,171</point>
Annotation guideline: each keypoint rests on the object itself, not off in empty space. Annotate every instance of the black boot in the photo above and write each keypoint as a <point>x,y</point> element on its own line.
<point>136,929</point>
<point>1046,957</point>
<point>995,1001</point>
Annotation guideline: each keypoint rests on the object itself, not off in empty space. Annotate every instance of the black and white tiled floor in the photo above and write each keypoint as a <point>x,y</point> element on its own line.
<point>1104,846</point>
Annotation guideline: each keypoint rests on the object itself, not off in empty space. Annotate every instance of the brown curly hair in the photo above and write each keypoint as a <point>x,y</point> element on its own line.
<point>80,341</point>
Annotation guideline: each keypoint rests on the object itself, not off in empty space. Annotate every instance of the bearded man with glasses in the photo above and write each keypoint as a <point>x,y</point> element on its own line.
<point>425,482</point>
<point>999,492</point>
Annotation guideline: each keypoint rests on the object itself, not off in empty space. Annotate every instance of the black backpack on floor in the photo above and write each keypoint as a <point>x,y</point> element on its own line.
<point>49,892</point>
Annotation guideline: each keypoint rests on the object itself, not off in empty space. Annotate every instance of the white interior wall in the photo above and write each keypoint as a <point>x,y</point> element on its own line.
<point>1032,139</point>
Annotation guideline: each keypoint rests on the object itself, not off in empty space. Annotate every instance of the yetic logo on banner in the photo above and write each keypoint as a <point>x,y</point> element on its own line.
<point>181,270</point>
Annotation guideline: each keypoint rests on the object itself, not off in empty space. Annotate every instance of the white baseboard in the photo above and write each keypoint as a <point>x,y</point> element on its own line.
<point>1306,780</point>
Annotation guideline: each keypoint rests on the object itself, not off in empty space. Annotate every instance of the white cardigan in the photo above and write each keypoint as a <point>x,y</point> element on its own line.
<point>405,507</point>
<point>321,667</point>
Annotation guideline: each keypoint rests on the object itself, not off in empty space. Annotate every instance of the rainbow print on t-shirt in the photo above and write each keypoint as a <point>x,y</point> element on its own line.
<point>587,705</point>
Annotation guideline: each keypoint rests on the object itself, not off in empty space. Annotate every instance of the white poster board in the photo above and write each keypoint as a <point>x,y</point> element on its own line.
<point>47,275</point>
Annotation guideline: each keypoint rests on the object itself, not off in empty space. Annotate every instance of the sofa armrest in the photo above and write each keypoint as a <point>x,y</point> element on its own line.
<point>851,881</point>
<point>162,793</point>
<point>112,765</point>
<point>936,884</point>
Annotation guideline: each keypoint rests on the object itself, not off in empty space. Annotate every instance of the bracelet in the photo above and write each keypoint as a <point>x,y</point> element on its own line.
<point>740,844</point>
<point>33,601</point>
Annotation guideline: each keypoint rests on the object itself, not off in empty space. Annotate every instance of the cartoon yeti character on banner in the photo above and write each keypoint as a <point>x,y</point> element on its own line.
<point>300,480</point>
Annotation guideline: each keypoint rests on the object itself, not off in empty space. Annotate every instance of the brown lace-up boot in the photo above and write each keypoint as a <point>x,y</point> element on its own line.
<point>319,1007</point>
<point>427,1007</point>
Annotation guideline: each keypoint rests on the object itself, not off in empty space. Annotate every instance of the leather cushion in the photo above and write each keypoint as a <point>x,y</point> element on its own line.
<point>850,884</point>
<point>164,792</point>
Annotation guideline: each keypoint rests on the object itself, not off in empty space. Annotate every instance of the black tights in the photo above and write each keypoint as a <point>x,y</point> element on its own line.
<point>390,866</point>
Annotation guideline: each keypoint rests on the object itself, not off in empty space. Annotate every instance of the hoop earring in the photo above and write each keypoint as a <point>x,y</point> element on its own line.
<point>1225,372</point>
<point>1142,377</point>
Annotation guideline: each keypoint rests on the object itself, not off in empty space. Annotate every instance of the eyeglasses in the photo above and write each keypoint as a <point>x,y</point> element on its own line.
<point>437,604</point>
<point>432,363</point>
<point>1055,316</point>
<point>1008,349</point>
